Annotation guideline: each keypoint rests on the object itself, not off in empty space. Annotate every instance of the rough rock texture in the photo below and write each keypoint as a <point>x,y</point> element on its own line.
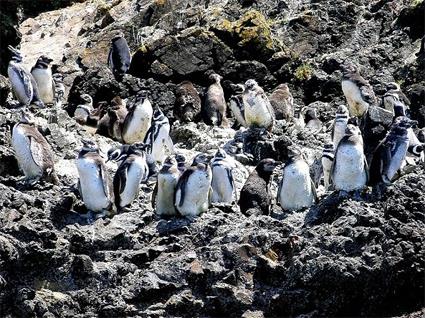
<point>342,257</point>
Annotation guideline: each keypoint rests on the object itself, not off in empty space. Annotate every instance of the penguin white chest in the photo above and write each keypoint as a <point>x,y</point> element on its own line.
<point>296,192</point>
<point>237,109</point>
<point>349,172</point>
<point>397,159</point>
<point>356,105</point>
<point>165,196</point>
<point>22,147</point>
<point>257,112</point>
<point>221,184</point>
<point>21,84</point>
<point>139,124</point>
<point>136,173</point>
<point>339,131</point>
<point>162,145</point>
<point>43,77</point>
<point>327,165</point>
<point>91,184</point>
<point>196,194</point>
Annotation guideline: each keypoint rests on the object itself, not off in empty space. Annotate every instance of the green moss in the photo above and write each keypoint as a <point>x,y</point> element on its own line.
<point>415,3</point>
<point>303,72</point>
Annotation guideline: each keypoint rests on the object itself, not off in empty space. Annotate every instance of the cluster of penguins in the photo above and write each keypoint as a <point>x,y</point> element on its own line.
<point>147,150</point>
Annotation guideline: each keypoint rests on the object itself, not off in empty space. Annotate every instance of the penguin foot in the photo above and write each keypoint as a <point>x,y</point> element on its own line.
<point>357,195</point>
<point>343,194</point>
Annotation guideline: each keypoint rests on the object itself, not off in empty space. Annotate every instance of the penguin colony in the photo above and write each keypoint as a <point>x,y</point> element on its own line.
<point>147,151</point>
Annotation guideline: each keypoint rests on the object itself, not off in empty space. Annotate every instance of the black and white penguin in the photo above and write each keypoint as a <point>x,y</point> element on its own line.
<point>22,82</point>
<point>158,137</point>
<point>193,190</point>
<point>282,102</point>
<point>59,89</point>
<point>215,104</point>
<point>132,171</point>
<point>416,148</point>
<point>42,74</point>
<point>390,154</point>
<point>254,195</point>
<point>339,125</point>
<point>357,91</point>
<point>258,110</point>
<point>33,152</point>
<point>223,184</point>
<point>181,162</point>
<point>349,170</point>
<point>187,107</point>
<point>296,189</point>
<point>137,121</point>
<point>312,123</point>
<point>395,101</point>
<point>119,58</point>
<point>163,196</point>
<point>327,160</point>
<point>94,183</point>
<point>236,105</point>
<point>84,110</point>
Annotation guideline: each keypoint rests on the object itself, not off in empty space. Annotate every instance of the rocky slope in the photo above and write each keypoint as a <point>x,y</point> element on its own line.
<point>340,258</point>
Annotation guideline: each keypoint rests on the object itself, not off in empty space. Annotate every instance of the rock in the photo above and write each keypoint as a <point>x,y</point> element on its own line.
<point>5,89</point>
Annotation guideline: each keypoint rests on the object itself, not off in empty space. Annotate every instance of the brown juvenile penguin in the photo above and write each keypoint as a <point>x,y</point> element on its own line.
<point>282,102</point>
<point>187,107</point>
<point>215,104</point>
<point>111,123</point>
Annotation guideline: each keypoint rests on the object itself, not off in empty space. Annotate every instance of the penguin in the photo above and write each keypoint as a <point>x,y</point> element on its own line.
<point>223,184</point>
<point>349,171</point>
<point>181,162</point>
<point>33,152</point>
<point>83,111</point>
<point>158,137</point>
<point>215,104</point>
<point>112,122</point>
<point>416,148</point>
<point>132,171</point>
<point>137,121</point>
<point>357,91</point>
<point>187,107</point>
<point>296,189</point>
<point>327,160</point>
<point>119,58</point>
<point>59,89</point>
<point>236,105</point>
<point>339,124</point>
<point>395,101</point>
<point>254,194</point>
<point>282,102</point>
<point>163,195</point>
<point>94,183</point>
<point>299,122</point>
<point>22,82</point>
<point>193,190</point>
<point>390,154</point>
<point>313,123</point>
<point>42,74</point>
<point>258,110</point>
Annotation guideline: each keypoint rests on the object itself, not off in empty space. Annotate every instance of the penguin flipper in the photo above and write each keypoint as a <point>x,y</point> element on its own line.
<point>279,188</point>
<point>182,183</point>
<point>106,182</point>
<point>26,78</point>
<point>38,153</point>
<point>313,189</point>
<point>110,61</point>
<point>154,194</point>
<point>366,168</point>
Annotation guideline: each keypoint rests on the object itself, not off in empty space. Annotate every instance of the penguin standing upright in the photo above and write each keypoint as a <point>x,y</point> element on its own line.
<point>313,123</point>
<point>296,189</point>
<point>416,148</point>
<point>42,74</point>
<point>215,104</point>
<point>357,91</point>
<point>339,125</point>
<point>163,196</point>
<point>223,184</point>
<point>59,89</point>
<point>187,107</point>
<point>258,110</point>
<point>327,160</point>
<point>84,110</point>
<point>349,170</point>
<point>395,101</point>
<point>192,196</point>
<point>282,102</point>
<point>255,194</point>
<point>131,172</point>
<point>33,152</point>
<point>158,137</point>
<point>118,114</point>
<point>391,152</point>
<point>236,105</point>
<point>94,183</point>
<point>119,58</point>
<point>137,121</point>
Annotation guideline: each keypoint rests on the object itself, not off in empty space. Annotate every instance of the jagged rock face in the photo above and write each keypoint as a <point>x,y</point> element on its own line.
<point>342,257</point>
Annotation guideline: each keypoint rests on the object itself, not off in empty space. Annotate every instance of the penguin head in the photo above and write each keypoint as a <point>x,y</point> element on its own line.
<point>294,152</point>
<point>220,153</point>
<point>43,61</point>
<point>117,36</point>
<point>310,114</point>
<point>139,147</point>
<point>237,88</point>
<point>392,86</point>
<point>284,87</point>
<point>114,154</point>
<point>200,158</point>
<point>58,77</point>
<point>348,69</point>
<point>158,114</point>
<point>404,122</point>
<point>250,84</point>
<point>169,162</point>
<point>267,165</point>
<point>180,159</point>
<point>215,78</point>
<point>342,110</point>
<point>328,147</point>
<point>116,102</point>
<point>16,54</point>
<point>89,145</point>
<point>352,130</point>
<point>27,117</point>
<point>86,98</point>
